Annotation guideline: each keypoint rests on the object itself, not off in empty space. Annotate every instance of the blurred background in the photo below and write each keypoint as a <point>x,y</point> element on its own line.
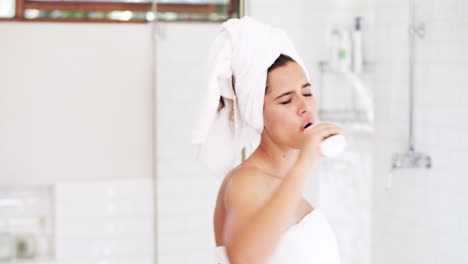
<point>97,102</point>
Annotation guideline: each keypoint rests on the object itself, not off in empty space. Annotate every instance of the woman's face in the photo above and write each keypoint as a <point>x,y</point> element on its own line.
<point>289,105</point>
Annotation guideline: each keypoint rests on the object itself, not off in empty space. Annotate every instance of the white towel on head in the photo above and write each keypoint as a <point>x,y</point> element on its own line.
<point>245,49</point>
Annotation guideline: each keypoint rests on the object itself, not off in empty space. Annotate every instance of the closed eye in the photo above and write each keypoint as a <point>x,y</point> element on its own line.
<point>288,101</point>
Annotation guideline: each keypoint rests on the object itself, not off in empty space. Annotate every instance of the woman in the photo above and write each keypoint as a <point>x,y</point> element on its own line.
<point>261,215</point>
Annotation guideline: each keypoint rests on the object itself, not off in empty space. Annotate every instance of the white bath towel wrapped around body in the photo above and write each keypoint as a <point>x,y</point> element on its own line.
<point>245,49</point>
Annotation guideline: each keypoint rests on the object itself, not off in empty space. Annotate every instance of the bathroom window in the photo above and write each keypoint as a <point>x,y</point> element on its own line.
<point>130,11</point>
<point>7,8</point>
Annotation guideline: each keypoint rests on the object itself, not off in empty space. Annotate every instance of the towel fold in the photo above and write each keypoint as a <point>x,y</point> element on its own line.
<point>244,48</point>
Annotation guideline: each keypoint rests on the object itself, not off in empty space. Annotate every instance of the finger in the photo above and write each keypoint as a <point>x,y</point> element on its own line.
<point>331,131</point>
<point>325,125</point>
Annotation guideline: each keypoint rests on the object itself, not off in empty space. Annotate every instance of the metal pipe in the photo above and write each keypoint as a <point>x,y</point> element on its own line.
<point>154,168</point>
<point>411,71</point>
<point>412,159</point>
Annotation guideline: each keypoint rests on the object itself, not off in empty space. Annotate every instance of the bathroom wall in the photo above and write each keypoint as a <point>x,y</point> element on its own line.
<point>185,190</point>
<point>75,102</point>
<point>422,218</point>
<point>75,119</point>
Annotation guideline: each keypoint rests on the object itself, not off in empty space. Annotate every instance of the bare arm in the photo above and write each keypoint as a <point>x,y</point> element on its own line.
<point>255,223</point>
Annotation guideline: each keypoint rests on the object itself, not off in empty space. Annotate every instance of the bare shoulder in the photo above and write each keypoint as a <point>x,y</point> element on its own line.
<point>246,184</point>
<point>247,189</point>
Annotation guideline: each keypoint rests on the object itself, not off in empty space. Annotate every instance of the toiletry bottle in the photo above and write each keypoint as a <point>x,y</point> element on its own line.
<point>345,50</point>
<point>43,242</point>
<point>334,46</point>
<point>357,46</point>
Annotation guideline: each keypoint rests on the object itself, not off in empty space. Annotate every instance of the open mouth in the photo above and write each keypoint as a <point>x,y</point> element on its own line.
<point>307,125</point>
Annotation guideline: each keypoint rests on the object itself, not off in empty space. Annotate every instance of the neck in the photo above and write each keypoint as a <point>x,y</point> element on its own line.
<point>274,158</point>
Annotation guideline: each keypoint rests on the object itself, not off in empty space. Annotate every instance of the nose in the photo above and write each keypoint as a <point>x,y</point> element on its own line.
<point>304,106</point>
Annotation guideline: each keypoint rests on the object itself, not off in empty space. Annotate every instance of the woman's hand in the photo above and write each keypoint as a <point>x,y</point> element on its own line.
<point>310,151</point>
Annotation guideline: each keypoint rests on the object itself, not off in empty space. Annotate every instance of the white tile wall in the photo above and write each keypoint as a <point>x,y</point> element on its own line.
<point>185,190</point>
<point>104,222</point>
<point>344,192</point>
<point>422,219</point>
